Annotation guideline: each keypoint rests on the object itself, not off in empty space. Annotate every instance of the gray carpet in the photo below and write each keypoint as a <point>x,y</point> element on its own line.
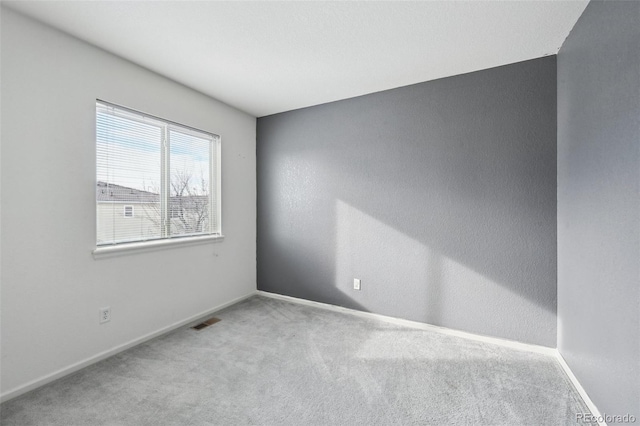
<point>270,362</point>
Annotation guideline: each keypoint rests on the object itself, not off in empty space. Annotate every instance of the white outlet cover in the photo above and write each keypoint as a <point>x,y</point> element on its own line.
<point>105,314</point>
<point>356,284</point>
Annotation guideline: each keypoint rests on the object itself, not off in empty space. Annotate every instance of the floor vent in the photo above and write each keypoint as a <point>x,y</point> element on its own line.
<point>206,323</point>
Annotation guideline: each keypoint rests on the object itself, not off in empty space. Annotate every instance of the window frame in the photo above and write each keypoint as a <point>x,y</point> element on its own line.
<point>215,191</point>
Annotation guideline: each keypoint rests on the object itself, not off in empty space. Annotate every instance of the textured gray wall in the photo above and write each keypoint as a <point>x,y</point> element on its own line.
<point>440,196</point>
<point>598,204</point>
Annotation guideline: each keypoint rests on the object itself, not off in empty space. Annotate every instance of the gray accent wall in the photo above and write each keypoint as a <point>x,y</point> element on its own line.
<point>440,197</point>
<point>599,204</point>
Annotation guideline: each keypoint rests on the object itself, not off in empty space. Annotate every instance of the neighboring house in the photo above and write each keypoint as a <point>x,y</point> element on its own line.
<point>129,214</point>
<point>126,214</point>
<point>189,214</point>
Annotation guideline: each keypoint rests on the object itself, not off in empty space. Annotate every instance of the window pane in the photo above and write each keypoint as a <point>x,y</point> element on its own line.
<point>190,183</point>
<point>128,173</point>
<point>155,179</point>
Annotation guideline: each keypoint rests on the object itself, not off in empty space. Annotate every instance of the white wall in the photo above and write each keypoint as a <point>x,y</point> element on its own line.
<point>51,285</point>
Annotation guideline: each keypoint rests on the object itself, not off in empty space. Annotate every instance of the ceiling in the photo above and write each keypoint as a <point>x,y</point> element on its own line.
<point>269,57</point>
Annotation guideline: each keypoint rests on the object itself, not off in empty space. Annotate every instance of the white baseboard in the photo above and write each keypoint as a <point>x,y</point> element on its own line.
<point>423,326</point>
<point>10,394</point>
<point>583,394</point>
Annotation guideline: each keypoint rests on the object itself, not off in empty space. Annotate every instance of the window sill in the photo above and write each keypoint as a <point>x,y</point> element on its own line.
<point>146,246</point>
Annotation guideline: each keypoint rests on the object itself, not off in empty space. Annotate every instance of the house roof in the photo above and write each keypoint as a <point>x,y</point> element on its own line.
<point>112,192</point>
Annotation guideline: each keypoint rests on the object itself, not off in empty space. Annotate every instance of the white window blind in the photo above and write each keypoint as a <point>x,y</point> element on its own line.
<point>166,173</point>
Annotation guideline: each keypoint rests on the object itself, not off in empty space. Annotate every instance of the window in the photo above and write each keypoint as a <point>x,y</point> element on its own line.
<point>167,173</point>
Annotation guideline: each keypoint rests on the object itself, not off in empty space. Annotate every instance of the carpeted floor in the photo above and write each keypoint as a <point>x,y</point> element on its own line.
<point>271,362</point>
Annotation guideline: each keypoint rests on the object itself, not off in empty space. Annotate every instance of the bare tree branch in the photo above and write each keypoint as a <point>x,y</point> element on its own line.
<point>188,204</point>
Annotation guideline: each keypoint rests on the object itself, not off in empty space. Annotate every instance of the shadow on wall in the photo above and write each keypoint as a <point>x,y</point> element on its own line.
<point>440,196</point>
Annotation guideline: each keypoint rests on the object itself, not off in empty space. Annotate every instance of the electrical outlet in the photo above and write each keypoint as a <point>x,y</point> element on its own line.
<point>356,284</point>
<point>105,314</point>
